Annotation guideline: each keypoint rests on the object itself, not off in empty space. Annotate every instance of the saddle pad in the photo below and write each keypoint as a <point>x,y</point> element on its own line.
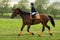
<point>37,16</point>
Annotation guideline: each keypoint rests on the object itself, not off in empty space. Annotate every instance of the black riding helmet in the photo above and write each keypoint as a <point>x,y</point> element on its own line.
<point>32,3</point>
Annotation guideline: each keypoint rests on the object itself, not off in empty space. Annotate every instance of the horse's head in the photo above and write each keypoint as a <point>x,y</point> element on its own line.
<point>15,12</point>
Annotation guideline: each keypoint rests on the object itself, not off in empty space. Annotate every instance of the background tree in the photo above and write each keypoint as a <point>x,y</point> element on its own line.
<point>22,4</point>
<point>40,4</point>
<point>54,9</point>
<point>4,4</point>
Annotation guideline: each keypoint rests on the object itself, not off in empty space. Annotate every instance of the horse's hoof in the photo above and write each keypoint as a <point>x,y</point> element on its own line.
<point>51,34</point>
<point>32,33</point>
<point>18,34</point>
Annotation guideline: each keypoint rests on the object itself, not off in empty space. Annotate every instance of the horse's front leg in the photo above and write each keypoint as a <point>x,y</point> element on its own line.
<point>29,30</point>
<point>21,30</point>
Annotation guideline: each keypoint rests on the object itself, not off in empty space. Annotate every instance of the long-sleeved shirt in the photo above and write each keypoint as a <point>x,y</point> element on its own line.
<point>33,9</point>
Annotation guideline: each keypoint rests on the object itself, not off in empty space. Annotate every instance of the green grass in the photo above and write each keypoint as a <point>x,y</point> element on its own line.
<point>9,29</point>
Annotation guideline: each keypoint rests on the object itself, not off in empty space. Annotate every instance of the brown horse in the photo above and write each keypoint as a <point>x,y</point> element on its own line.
<point>27,20</point>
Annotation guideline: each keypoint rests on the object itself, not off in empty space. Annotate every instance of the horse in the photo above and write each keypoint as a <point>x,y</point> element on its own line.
<point>27,20</point>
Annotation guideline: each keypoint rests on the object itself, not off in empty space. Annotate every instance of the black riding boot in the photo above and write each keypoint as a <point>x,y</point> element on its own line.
<point>33,16</point>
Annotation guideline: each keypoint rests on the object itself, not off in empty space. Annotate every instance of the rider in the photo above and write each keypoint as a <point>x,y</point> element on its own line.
<point>33,11</point>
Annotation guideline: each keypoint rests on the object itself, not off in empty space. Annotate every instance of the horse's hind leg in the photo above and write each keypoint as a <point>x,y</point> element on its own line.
<point>29,31</point>
<point>43,28</point>
<point>49,29</point>
<point>21,30</point>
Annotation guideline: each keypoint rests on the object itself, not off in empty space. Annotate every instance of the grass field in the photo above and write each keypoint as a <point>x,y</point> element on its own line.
<point>9,29</point>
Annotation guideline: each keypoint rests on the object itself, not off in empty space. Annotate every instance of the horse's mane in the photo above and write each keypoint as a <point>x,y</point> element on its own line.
<point>23,12</point>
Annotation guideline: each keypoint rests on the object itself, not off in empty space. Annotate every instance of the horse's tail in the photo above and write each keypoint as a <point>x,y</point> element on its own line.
<point>51,20</point>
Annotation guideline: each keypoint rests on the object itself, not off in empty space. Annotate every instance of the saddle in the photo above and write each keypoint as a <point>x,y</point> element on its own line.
<point>37,16</point>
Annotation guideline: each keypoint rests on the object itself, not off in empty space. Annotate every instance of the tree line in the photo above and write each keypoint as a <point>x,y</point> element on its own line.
<point>40,5</point>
